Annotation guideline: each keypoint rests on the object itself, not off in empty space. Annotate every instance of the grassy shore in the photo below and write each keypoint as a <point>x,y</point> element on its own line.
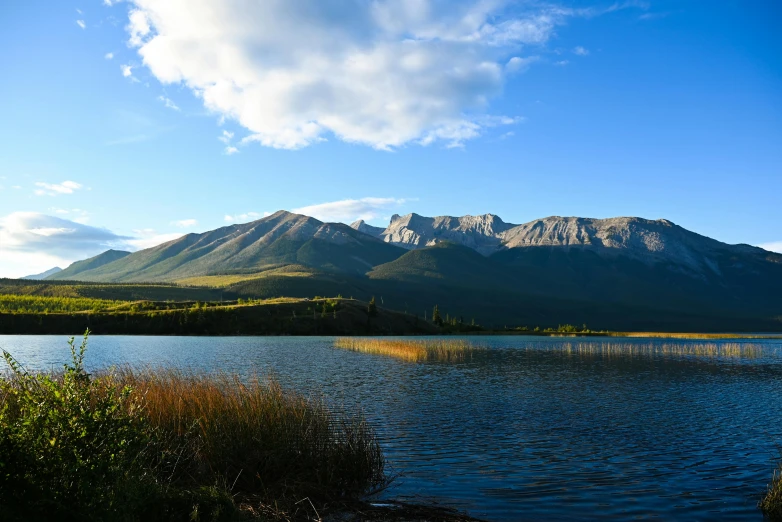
<point>771,503</point>
<point>167,445</point>
<point>448,350</point>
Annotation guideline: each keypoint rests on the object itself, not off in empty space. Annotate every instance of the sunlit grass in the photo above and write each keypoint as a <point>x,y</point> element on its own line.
<point>217,281</point>
<point>255,435</point>
<point>692,335</point>
<point>771,503</point>
<point>123,444</point>
<point>419,350</point>
<point>725,350</point>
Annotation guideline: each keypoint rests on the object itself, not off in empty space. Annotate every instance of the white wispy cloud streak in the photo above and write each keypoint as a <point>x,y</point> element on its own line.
<point>168,103</point>
<point>81,24</point>
<point>53,189</point>
<point>774,246</point>
<point>148,238</point>
<point>109,56</point>
<point>383,73</point>
<point>244,218</point>
<point>349,210</point>
<point>185,223</point>
<point>580,51</point>
<point>34,242</point>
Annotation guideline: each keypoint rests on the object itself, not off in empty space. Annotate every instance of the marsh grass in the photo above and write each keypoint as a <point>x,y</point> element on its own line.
<point>256,437</point>
<point>693,335</point>
<point>419,350</point>
<point>703,349</point>
<point>150,445</point>
<point>771,503</point>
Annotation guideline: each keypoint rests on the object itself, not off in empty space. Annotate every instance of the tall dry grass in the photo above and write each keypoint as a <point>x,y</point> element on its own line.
<point>771,503</point>
<point>704,349</point>
<point>419,350</point>
<point>255,438</point>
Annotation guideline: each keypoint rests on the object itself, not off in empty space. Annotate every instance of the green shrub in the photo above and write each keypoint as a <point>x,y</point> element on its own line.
<point>67,442</point>
<point>166,445</point>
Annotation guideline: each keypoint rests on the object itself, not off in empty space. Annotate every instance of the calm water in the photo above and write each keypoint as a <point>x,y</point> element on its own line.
<point>531,429</point>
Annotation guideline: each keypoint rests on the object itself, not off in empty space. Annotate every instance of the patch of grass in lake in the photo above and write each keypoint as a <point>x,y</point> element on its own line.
<point>448,350</point>
<point>167,445</point>
<point>722,350</point>
<point>771,503</point>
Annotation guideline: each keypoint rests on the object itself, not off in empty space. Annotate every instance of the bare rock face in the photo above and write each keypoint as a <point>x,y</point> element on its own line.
<point>650,241</point>
<point>643,239</point>
<point>362,226</point>
<point>481,233</point>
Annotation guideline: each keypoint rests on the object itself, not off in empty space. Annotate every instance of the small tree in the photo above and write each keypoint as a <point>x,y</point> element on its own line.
<point>436,318</point>
<point>372,307</point>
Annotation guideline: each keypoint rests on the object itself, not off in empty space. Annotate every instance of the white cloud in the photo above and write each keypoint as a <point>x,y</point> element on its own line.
<point>110,3</point>
<point>774,246</point>
<point>168,103</point>
<point>53,189</point>
<point>34,242</point>
<point>81,24</point>
<point>561,63</point>
<point>127,70</point>
<point>580,51</point>
<point>519,64</point>
<point>185,223</point>
<point>244,218</point>
<point>383,73</point>
<point>230,151</point>
<point>16,187</point>
<point>109,56</point>
<point>226,137</point>
<point>349,210</point>
<point>149,238</point>
<point>74,214</point>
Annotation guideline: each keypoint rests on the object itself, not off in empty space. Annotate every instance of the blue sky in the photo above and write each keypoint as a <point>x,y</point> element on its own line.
<point>125,125</point>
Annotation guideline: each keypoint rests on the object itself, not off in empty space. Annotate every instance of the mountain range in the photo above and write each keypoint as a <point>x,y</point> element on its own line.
<point>621,273</point>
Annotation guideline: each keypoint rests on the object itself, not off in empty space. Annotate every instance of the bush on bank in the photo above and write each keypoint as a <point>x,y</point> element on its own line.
<point>166,445</point>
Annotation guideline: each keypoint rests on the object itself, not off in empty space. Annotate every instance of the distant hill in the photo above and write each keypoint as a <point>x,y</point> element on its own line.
<point>74,269</point>
<point>622,273</point>
<point>43,275</point>
<point>280,239</point>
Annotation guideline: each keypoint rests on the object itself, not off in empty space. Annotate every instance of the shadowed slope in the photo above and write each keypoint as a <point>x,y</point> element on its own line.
<point>280,239</point>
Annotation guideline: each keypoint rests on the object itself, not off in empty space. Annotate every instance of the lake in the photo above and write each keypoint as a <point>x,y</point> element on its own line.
<point>532,428</point>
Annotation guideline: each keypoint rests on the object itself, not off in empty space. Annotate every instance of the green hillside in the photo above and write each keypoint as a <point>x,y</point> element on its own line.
<point>87,264</point>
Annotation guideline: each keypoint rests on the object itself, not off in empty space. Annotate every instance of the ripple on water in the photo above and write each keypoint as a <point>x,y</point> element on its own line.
<point>529,429</point>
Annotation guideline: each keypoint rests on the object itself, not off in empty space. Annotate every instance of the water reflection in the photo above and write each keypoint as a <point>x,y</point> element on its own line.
<point>530,428</point>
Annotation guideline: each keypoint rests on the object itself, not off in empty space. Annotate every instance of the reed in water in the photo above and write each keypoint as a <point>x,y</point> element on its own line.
<point>682,349</point>
<point>418,350</point>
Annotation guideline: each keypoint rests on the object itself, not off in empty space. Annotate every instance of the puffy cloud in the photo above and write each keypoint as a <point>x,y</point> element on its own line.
<point>75,214</point>
<point>109,56</point>
<point>518,64</point>
<point>348,210</point>
<point>383,73</point>
<point>53,189</point>
<point>127,70</point>
<point>34,242</point>
<point>226,137</point>
<point>185,223</point>
<point>775,246</point>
